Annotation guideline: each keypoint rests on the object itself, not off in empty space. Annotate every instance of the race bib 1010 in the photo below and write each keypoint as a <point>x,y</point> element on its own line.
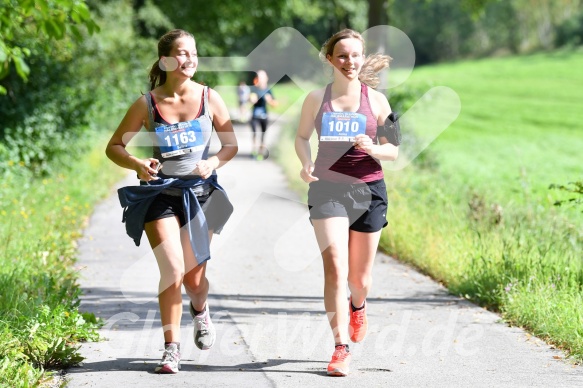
<point>179,139</point>
<point>342,126</point>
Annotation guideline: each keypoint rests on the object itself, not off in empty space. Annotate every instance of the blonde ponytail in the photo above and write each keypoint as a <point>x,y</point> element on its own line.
<point>372,66</point>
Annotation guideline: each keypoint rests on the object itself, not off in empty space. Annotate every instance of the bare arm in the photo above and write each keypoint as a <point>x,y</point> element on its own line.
<point>224,127</point>
<point>130,125</point>
<point>270,99</point>
<point>384,150</point>
<point>305,130</point>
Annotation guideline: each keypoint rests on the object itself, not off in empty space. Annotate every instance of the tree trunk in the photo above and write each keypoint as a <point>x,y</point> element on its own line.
<point>377,13</point>
<point>377,38</point>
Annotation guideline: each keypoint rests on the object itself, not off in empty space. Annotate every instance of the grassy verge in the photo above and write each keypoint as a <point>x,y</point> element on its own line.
<point>481,219</point>
<point>475,210</point>
<point>40,322</point>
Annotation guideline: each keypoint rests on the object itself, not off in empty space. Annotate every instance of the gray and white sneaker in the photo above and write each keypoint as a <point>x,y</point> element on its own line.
<point>204,330</point>
<point>170,362</point>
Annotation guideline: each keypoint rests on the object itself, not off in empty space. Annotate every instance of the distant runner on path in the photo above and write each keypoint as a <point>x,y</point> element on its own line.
<point>347,197</point>
<point>179,202</point>
<point>260,97</point>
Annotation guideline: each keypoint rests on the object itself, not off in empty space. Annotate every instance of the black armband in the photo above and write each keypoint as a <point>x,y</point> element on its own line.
<point>391,129</point>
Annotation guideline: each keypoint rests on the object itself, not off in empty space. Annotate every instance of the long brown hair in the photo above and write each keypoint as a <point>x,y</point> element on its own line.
<point>157,76</point>
<point>373,63</point>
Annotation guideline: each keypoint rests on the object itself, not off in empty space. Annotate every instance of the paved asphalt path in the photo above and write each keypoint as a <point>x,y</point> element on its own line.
<point>266,298</point>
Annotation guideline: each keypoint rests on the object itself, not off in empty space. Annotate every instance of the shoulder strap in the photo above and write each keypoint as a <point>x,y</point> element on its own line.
<point>364,97</point>
<point>150,111</point>
<point>327,94</point>
<point>207,109</point>
<point>364,88</point>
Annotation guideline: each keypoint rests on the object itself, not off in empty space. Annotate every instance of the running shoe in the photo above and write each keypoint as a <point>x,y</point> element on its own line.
<point>358,323</point>
<point>170,362</point>
<point>340,361</point>
<point>204,330</point>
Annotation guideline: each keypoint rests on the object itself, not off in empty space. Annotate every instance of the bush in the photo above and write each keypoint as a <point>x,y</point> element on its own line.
<point>49,122</point>
<point>570,32</point>
<point>42,121</point>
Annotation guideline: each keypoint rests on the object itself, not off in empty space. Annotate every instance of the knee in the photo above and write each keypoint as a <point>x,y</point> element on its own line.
<point>334,277</point>
<point>194,284</point>
<point>359,281</point>
<point>172,277</point>
<point>170,283</point>
<point>334,271</point>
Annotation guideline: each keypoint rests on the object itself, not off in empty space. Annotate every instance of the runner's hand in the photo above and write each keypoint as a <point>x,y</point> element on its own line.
<point>306,173</point>
<point>365,143</point>
<point>146,170</point>
<point>204,169</point>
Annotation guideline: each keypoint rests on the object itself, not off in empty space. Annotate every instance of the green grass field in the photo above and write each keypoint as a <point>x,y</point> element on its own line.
<point>520,122</point>
<point>475,210</point>
<point>486,212</point>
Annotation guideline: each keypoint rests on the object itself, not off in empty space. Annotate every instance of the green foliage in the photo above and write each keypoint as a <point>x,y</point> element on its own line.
<point>37,142</point>
<point>49,336</point>
<point>241,26</point>
<point>15,371</point>
<point>550,310</point>
<point>40,324</point>
<point>570,32</point>
<point>151,21</point>
<point>572,188</point>
<point>438,29</point>
<point>48,123</point>
<point>450,29</point>
<point>43,120</point>
<point>23,22</point>
<point>475,7</point>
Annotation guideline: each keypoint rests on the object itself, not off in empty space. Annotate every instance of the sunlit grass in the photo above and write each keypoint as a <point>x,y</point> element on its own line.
<point>42,220</point>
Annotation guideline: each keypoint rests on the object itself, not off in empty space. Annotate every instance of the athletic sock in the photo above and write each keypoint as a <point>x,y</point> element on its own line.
<point>196,312</point>
<point>357,308</point>
<point>166,344</point>
<point>345,345</point>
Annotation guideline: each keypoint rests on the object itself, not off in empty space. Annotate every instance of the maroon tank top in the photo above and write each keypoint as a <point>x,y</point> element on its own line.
<point>339,161</point>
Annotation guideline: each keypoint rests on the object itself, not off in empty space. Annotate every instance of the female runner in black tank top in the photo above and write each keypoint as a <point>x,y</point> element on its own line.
<point>178,99</point>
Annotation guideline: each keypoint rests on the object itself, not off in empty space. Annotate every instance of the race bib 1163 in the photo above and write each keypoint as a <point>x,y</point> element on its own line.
<point>342,126</point>
<point>179,139</point>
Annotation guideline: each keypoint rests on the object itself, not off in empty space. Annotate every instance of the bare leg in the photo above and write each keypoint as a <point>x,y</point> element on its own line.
<point>263,124</point>
<point>332,236</point>
<point>254,138</point>
<point>362,250</point>
<point>195,282</point>
<point>164,237</point>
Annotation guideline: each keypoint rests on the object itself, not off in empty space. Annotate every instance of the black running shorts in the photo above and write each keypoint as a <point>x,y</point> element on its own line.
<point>365,204</point>
<point>215,205</point>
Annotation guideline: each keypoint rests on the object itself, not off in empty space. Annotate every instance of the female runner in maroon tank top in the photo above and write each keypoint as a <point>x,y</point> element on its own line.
<point>347,195</point>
